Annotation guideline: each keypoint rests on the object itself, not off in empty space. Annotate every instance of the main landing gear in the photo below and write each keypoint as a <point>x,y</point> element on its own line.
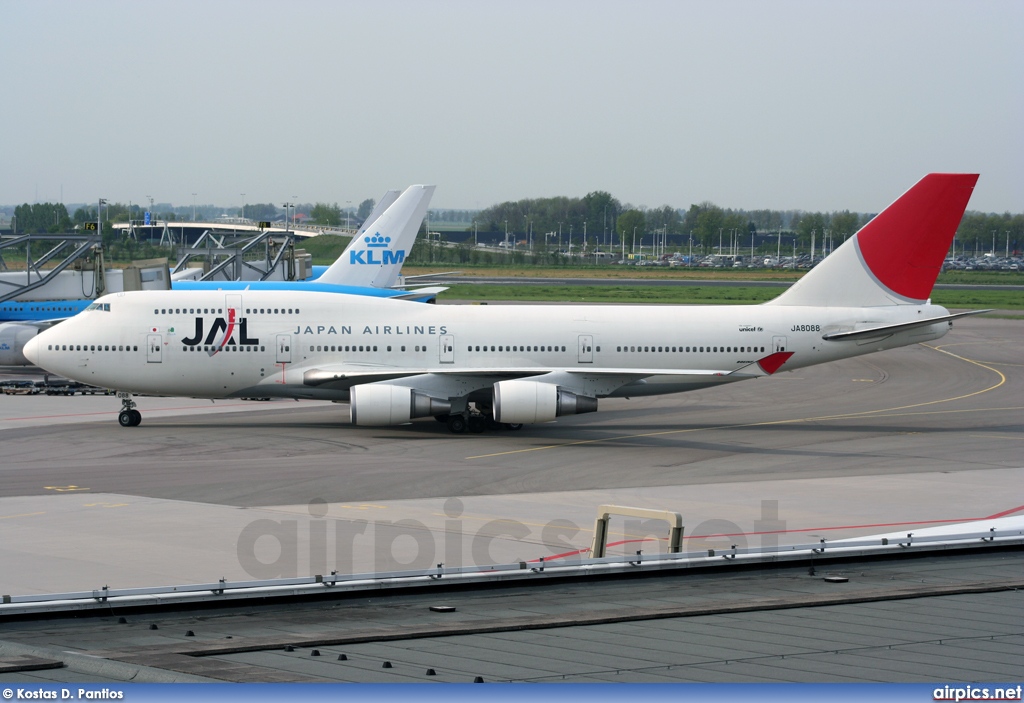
<point>475,422</point>
<point>129,416</point>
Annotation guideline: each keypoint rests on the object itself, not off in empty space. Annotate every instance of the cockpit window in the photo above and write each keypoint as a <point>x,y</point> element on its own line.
<point>105,307</point>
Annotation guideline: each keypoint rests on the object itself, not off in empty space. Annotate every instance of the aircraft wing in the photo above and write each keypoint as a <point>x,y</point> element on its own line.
<point>590,381</point>
<point>43,324</point>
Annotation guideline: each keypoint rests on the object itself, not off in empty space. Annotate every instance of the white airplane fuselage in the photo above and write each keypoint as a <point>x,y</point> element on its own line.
<point>141,344</point>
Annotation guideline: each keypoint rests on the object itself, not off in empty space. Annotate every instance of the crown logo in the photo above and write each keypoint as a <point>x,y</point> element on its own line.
<point>377,241</point>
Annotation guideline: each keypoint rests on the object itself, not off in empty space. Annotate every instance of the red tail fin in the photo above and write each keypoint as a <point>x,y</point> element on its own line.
<point>905,245</point>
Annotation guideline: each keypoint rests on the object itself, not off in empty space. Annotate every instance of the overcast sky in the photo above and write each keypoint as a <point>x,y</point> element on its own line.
<point>808,105</point>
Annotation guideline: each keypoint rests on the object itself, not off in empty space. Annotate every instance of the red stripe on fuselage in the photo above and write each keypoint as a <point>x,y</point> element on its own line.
<point>227,333</point>
<point>771,363</point>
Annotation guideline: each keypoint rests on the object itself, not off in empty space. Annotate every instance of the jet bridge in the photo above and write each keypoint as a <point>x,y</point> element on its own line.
<point>83,251</point>
<point>268,256</point>
<point>81,274</point>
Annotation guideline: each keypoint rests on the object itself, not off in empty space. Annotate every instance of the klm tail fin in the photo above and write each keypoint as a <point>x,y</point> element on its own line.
<point>376,254</point>
<point>895,258</point>
<point>379,209</point>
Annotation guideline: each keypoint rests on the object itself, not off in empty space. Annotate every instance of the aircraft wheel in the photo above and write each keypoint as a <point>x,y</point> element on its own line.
<point>456,424</point>
<point>492,424</point>
<point>126,419</point>
<point>477,424</point>
<point>512,426</point>
<point>136,418</point>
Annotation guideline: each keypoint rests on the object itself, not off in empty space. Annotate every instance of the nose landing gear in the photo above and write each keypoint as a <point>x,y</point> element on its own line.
<point>129,416</point>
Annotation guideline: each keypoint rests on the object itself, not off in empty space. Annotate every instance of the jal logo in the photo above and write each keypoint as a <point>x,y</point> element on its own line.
<point>377,252</point>
<point>5,347</point>
<point>221,334</point>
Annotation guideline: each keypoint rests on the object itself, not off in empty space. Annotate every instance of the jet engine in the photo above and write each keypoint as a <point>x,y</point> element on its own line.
<point>377,404</point>
<point>524,402</point>
<point>13,337</point>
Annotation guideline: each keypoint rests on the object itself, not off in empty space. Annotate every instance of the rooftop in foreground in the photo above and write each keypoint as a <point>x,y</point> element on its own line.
<point>954,616</point>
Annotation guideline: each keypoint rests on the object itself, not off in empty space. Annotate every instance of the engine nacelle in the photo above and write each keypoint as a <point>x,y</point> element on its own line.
<point>376,404</point>
<point>526,402</point>
<point>13,337</point>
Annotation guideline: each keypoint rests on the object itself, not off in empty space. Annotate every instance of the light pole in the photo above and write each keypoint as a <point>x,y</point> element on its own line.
<point>193,207</point>
<point>286,206</point>
<point>242,214</point>
<point>348,211</point>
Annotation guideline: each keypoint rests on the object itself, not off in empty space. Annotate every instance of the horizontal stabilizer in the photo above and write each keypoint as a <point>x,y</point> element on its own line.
<point>899,327</point>
<point>420,276</point>
<point>419,293</point>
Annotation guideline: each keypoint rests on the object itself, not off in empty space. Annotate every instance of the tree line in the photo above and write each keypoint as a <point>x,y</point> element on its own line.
<point>605,220</point>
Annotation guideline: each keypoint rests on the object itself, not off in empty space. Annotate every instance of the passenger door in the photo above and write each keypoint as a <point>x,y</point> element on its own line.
<point>586,349</point>
<point>778,344</point>
<point>154,348</point>
<point>284,349</point>
<point>447,349</point>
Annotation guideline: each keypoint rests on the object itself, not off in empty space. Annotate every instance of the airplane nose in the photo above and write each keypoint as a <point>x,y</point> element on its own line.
<point>31,350</point>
